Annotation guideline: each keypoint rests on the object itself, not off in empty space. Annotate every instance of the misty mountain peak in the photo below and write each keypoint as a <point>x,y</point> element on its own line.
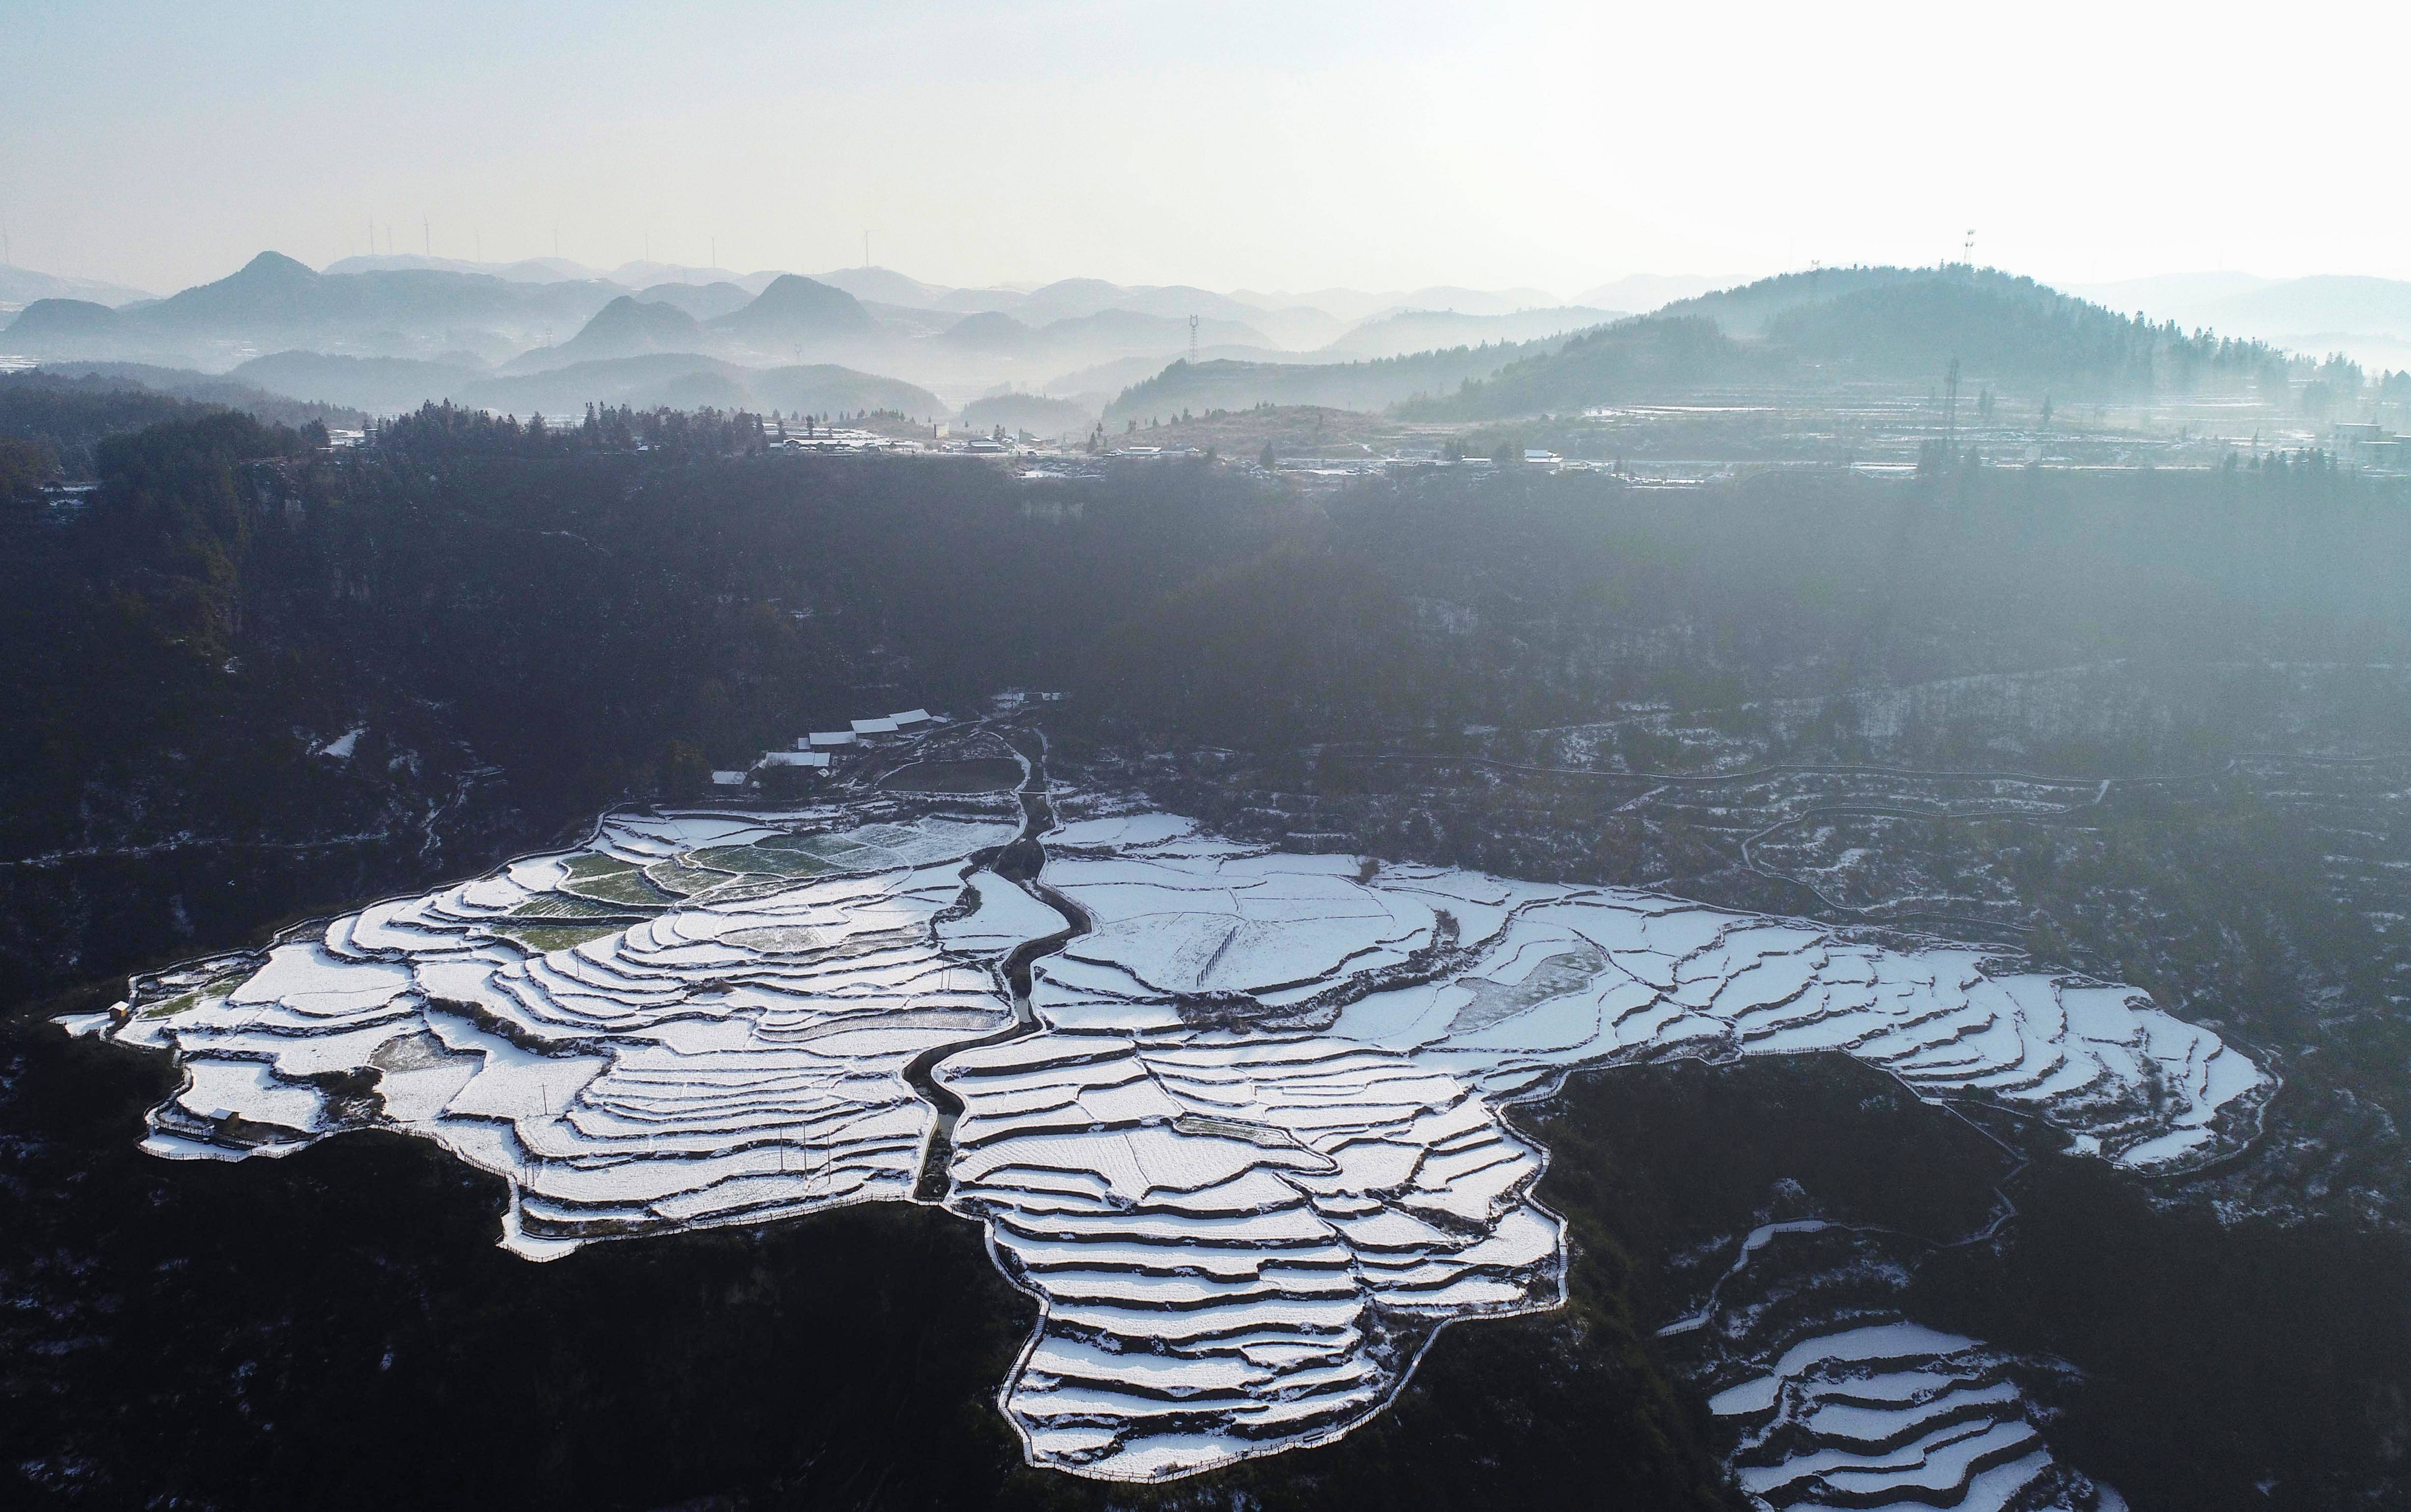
<point>274,267</point>
<point>793,307</point>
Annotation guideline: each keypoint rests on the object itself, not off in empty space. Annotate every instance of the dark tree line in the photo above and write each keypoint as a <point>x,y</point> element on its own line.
<point>605,610</point>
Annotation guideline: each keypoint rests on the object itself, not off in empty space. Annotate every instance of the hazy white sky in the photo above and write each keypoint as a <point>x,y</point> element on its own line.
<point>1265,145</point>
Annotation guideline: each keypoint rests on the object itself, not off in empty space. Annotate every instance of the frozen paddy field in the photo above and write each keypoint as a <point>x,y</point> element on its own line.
<point>1887,1413</point>
<point>1255,1156</point>
<point>691,1020</point>
<point>1243,1141</point>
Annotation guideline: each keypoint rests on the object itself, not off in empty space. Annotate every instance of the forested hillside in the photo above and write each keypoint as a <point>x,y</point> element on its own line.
<point>1224,383</point>
<point>582,621</point>
<point>2018,333</point>
<point>1812,332</point>
<point>71,412</point>
<point>1657,356</point>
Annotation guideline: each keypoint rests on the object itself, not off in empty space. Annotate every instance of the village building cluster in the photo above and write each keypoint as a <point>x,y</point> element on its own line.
<point>817,752</point>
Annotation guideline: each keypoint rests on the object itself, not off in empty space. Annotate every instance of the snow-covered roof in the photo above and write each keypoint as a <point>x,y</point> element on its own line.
<point>909,716</point>
<point>832,737</point>
<point>874,727</point>
<point>794,758</point>
<point>728,780</point>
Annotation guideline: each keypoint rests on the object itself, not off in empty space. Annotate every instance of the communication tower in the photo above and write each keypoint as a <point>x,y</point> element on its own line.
<point>1192,340</point>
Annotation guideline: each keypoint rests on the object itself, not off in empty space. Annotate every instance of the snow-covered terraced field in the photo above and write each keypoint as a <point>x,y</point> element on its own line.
<point>1886,1413</point>
<point>1246,1146</point>
<point>692,1020</point>
<point>1256,1156</point>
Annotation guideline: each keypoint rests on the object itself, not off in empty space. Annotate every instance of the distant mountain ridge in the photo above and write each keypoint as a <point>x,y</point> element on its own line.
<point>683,379</point>
<point>527,270</point>
<point>1038,414</point>
<point>1428,330</point>
<point>1644,293</point>
<point>2367,318</point>
<point>1372,384</point>
<point>20,287</point>
<point>536,312</point>
<point>276,301</point>
<point>796,311</point>
<point>627,326</point>
<point>379,385</point>
<point>1897,324</point>
<point>692,381</point>
<point>402,324</point>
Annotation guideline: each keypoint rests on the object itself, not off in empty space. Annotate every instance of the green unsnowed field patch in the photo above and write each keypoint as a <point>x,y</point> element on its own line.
<point>544,937</point>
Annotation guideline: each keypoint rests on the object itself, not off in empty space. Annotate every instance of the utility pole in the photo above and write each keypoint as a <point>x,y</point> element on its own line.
<point>1951,403</point>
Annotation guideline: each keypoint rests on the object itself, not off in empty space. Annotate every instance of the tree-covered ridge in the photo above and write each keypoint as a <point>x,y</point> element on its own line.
<point>70,409</point>
<point>2017,332</point>
<point>1898,326</point>
<point>447,432</point>
<point>1654,355</point>
<point>1227,383</point>
<point>66,420</point>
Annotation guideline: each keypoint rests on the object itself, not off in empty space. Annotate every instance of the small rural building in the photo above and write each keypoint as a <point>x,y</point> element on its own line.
<point>728,780</point>
<point>909,719</point>
<point>817,760</point>
<point>874,727</point>
<point>828,739</point>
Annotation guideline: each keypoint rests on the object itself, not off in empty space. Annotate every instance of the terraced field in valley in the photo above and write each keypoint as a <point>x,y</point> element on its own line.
<point>1242,1137</point>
